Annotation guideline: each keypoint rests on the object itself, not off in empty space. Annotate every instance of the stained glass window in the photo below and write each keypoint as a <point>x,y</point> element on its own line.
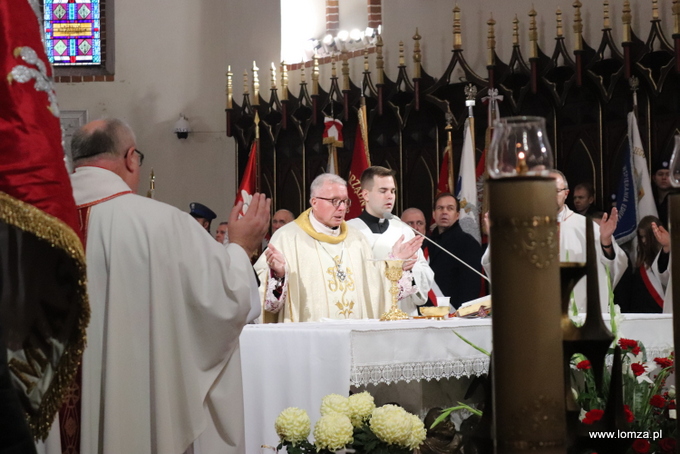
<point>73,32</point>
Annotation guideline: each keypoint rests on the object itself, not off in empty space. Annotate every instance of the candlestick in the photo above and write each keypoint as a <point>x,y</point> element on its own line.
<point>528,387</point>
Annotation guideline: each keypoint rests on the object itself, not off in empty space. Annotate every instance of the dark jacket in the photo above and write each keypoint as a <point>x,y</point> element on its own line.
<point>453,278</point>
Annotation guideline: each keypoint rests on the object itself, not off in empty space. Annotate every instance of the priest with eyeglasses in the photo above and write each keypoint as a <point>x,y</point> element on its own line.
<point>318,267</point>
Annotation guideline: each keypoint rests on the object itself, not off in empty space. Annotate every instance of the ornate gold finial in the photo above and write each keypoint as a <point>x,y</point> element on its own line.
<point>344,56</point>
<point>560,30</point>
<point>627,18</point>
<point>457,38</point>
<point>256,86</point>
<point>273,75</point>
<point>655,9</point>
<point>533,33</point>
<point>284,81</point>
<point>245,82</point>
<point>334,72</point>
<point>303,77</point>
<point>152,185</point>
<point>315,75</point>
<point>366,69</point>
<point>417,57</point>
<point>230,88</point>
<point>491,40</point>
<point>402,60</point>
<point>578,26</point>
<point>676,17</point>
<point>607,23</point>
<point>379,62</point>
<point>515,31</point>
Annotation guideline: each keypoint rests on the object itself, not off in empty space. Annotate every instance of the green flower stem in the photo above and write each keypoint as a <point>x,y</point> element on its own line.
<point>479,349</point>
<point>447,411</point>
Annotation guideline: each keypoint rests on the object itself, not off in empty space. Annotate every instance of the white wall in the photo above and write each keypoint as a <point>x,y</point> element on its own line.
<point>172,56</point>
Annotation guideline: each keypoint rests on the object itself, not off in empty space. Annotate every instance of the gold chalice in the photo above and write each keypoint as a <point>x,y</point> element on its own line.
<point>393,272</point>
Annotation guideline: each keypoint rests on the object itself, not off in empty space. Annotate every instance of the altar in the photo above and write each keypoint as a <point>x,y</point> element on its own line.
<point>296,364</point>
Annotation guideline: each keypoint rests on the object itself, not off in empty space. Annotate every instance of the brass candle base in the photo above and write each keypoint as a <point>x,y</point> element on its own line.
<point>393,272</point>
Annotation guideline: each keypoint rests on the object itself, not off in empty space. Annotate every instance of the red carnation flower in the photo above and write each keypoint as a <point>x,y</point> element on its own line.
<point>592,416</point>
<point>667,445</point>
<point>663,362</point>
<point>627,344</point>
<point>640,445</point>
<point>638,369</point>
<point>657,401</point>
<point>636,350</point>
<point>585,364</point>
<point>630,417</point>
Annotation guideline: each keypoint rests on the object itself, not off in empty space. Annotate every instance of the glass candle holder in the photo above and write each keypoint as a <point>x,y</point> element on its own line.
<point>520,146</point>
<point>675,164</point>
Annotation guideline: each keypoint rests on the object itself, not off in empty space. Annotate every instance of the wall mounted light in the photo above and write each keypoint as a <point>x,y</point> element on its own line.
<point>182,128</point>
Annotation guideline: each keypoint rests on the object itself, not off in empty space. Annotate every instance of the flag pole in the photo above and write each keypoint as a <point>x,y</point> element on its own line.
<point>363,124</point>
<point>470,95</point>
<point>448,152</point>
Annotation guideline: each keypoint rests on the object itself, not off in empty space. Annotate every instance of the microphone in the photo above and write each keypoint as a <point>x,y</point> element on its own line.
<point>390,217</point>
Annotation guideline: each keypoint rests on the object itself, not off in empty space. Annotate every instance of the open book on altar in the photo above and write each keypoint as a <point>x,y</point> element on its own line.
<point>480,307</point>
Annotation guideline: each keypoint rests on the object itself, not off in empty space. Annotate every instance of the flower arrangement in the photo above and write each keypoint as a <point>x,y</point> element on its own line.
<point>649,402</point>
<point>353,422</point>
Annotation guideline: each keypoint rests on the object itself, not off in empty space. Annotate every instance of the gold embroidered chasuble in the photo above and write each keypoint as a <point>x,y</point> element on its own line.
<point>326,276</point>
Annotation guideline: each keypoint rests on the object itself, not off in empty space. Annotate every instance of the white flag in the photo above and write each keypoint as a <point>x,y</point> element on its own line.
<point>467,187</point>
<point>646,204</point>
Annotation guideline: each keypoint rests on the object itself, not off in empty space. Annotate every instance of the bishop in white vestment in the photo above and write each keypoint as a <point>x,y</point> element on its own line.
<point>319,267</point>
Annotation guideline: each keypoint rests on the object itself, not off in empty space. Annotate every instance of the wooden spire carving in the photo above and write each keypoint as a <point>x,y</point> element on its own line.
<point>606,22</point>
<point>457,38</point>
<point>578,26</point>
<point>560,29</point>
<point>379,61</point>
<point>491,41</point>
<point>256,86</point>
<point>417,57</point>
<point>533,34</point>
<point>627,18</point>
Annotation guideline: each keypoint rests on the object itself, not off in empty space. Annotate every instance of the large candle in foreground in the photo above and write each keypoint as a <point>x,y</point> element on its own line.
<point>528,387</point>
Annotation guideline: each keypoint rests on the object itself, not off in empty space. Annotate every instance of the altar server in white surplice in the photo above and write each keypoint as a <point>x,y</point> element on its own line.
<point>168,305</point>
<point>572,232</point>
<point>379,192</point>
<point>319,267</point>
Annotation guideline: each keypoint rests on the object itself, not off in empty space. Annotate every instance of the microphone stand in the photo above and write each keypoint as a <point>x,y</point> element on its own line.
<point>389,216</point>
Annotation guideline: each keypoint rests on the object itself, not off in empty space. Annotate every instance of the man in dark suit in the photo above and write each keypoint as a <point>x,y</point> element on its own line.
<point>453,278</point>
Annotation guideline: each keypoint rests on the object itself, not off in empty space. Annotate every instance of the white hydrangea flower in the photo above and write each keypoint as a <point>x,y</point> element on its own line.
<point>335,403</point>
<point>333,431</point>
<point>418,433</point>
<point>361,406</point>
<point>293,425</point>
<point>391,424</point>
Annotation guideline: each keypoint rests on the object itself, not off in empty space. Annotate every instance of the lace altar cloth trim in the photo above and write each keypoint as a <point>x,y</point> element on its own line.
<point>392,373</point>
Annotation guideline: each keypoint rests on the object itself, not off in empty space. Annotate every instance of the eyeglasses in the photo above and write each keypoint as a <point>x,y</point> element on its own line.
<point>563,189</point>
<point>141,156</point>
<point>337,202</point>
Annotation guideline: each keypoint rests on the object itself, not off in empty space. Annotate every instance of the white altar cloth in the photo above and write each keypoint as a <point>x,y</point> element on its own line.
<point>296,364</point>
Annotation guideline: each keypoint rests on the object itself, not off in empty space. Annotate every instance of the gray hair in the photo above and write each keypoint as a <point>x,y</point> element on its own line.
<point>323,179</point>
<point>110,139</point>
<point>554,172</point>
